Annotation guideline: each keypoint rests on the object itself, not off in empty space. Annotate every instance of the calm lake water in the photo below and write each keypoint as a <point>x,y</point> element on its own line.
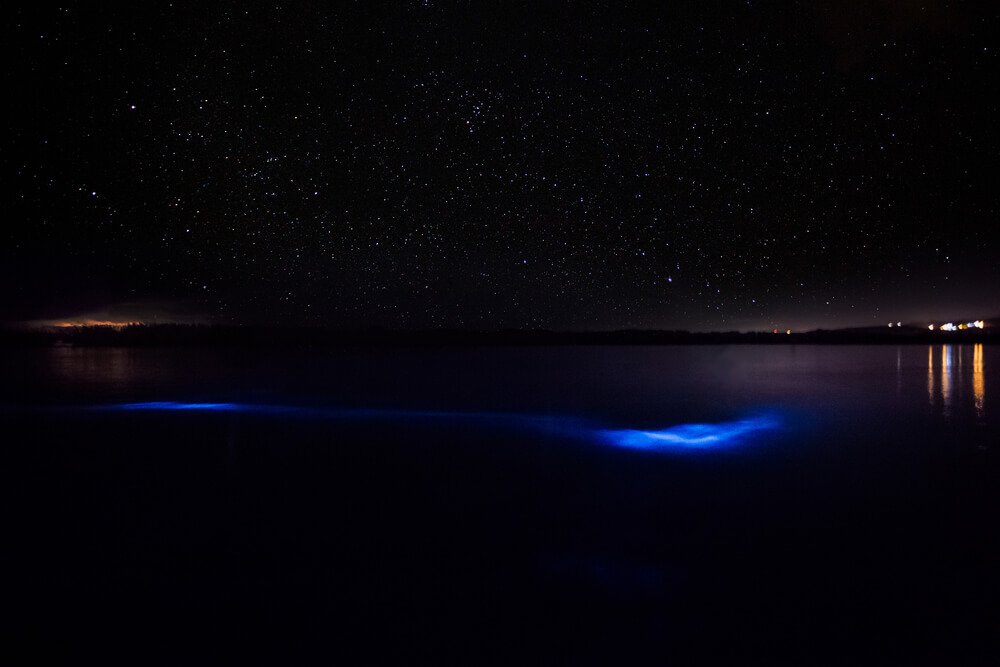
<point>609,504</point>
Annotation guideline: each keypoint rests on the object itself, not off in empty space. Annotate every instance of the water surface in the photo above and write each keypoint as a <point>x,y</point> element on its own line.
<point>598,502</point>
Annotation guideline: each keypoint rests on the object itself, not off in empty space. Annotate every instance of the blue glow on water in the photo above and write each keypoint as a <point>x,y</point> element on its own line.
<point>306,410</point>
<point>680,437</point>
<point>693,436</point>
<point>174,405</point>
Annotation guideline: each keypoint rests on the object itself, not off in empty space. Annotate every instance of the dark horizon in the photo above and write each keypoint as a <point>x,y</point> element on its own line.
<point>180,314</point>
<point>125,335</point>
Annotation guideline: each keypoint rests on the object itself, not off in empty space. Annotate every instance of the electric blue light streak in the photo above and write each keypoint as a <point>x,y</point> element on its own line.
<point>692,436</point>
<point>680,437</point>
<point>173,405</point>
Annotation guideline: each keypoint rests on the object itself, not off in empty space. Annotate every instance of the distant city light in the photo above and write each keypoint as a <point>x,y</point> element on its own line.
<point>951,326</point>
<point>97,323</point>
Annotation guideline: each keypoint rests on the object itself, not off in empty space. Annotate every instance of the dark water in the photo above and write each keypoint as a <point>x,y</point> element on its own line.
<point>814,504</point>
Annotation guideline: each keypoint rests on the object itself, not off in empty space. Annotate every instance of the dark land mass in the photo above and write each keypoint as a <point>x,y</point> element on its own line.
<point>212,335</point>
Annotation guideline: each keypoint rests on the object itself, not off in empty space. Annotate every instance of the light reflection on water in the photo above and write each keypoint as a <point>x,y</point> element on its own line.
<point>930,374</point>
<point>639,388</point>
<point>978,383</point>
<point>946,378</point>
<point>948,381</point>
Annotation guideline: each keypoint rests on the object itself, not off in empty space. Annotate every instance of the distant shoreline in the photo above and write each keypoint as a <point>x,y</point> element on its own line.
<point>169,335</point>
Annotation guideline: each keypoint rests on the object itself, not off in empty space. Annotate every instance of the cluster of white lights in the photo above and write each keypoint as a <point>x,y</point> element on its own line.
<point>951,326</point>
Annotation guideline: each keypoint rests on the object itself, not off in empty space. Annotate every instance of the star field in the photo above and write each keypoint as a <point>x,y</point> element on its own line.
<point>563,165</point>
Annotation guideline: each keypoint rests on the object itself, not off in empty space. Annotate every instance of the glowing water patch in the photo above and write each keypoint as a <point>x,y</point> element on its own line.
<point>173,405</point>
<point>679,437</point>
<point>307,410</point>
<point>692,436</point>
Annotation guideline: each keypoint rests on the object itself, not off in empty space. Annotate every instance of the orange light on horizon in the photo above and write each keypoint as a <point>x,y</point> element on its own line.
<point>97,323</point>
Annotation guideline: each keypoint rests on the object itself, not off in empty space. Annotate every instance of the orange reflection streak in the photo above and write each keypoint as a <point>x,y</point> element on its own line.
<point>930,374</point>
<point>978,384</point>
<point>946,376</point>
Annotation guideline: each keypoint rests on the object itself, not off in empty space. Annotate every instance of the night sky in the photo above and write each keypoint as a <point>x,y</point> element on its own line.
<point>563,165</point>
